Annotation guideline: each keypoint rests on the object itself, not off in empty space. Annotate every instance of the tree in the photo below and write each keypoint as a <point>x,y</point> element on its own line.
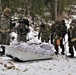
<point>0,10</point>
<point>54,9</point>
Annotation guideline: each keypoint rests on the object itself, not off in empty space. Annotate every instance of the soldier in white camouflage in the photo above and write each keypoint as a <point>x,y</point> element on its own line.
<point>5,28</point>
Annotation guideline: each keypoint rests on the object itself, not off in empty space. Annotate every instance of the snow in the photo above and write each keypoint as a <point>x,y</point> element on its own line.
<point>60,65</point>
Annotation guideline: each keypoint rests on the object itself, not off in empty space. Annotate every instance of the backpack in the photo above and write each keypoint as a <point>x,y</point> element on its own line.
<point>23,29</point>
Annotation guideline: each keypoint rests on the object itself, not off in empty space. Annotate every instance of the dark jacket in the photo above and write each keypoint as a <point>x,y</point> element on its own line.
<point>71,33</point>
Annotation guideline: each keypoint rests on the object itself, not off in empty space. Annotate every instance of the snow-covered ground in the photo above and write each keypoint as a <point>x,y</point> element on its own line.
<point>59,65</point>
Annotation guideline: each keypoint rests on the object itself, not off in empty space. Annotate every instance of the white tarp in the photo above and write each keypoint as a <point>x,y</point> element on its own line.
<point>44,48</point>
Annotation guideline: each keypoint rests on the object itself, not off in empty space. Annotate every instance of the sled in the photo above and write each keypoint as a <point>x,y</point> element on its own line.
<point>20,55</point>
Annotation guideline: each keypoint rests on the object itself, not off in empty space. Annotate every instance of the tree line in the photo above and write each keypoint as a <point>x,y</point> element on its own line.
<point>48,9</point>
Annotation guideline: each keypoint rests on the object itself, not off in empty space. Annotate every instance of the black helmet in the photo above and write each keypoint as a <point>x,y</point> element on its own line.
<point>21,21</point>
<point>42,25</point>
<point>72,24</point>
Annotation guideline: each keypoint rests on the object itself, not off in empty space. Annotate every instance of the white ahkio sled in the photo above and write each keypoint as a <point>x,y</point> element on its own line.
<point>20,55</point>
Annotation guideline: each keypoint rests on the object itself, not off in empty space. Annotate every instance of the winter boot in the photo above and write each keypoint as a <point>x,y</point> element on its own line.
<point>2,52</point>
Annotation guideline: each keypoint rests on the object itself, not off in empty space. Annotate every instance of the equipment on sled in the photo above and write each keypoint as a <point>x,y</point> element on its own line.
<point>27,54</point>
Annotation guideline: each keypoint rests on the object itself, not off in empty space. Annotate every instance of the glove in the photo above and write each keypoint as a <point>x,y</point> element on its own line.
<point>60,38</point>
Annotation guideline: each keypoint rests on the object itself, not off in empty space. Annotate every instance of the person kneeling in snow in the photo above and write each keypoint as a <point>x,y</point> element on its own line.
<point>22,31</point>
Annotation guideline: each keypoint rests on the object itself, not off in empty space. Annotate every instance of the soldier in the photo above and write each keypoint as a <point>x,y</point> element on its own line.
<point>5,29</point>
<point>22,31</point>
<point>44,32</point>
<point>72,38</point>
<point>58,37</point>
<point>52,33</point>
<point>64,32</point>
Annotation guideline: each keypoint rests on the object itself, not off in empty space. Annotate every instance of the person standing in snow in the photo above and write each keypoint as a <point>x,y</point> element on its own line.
<point>72,38</point>
<point>44,33</point>
<point>5,29</point>
<point>52,33</point>
<point>64,32</point>
<point>58,36</point>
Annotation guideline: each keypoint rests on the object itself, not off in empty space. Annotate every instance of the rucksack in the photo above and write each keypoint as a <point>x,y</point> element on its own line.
<point>23,29</point>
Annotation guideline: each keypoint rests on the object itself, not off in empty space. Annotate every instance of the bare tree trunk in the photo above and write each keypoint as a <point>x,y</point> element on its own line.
<point>25,6</point>
<point>54,9</point>
<point>0,6</point>
<point>0,10</point>
<point>59,7</point>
